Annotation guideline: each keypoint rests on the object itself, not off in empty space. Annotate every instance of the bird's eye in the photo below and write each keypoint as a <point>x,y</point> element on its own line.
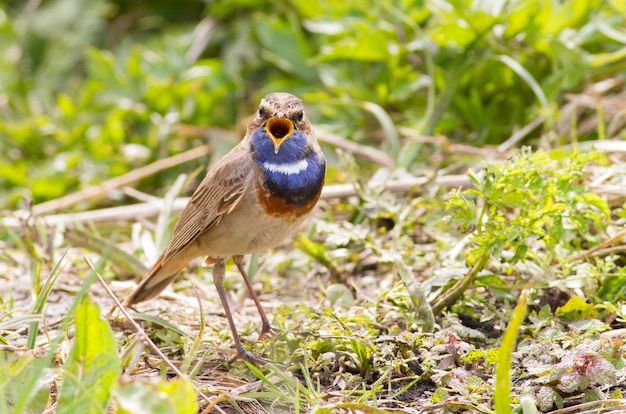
<point>299,116</point>
<point>262,112</point>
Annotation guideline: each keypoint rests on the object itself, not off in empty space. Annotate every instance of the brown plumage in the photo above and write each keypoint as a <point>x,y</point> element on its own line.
<point>250,201</point>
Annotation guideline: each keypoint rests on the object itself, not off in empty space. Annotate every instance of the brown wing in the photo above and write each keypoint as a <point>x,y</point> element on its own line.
<point>219,193</point>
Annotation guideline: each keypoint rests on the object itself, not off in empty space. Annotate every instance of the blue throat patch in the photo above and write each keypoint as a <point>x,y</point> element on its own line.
<point>296,173</point>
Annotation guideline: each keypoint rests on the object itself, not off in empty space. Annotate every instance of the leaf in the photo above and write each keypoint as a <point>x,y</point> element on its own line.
<point>547,397</point>
<point>527,405</point>
<point>15,374</point>
<point>613,289</point>
<point>93,365</point>
<point>491,281</point>
<point>340,295</point>
<point>359,41</point>
<point>286,46</point>
<point>576,308</point>
<point>604,59</point>
<point>597,369</point>
<point>172,397</point>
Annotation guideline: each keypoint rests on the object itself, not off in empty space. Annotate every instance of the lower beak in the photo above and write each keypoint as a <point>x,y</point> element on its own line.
<point>279,129</point>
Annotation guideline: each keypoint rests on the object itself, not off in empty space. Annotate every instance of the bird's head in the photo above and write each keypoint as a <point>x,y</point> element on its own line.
<point>281,117</point>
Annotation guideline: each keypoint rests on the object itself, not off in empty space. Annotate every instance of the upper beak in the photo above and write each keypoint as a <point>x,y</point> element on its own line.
<point>279,129</point>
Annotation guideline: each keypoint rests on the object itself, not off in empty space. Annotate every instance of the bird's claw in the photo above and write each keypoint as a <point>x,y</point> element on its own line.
<point>249,358</point>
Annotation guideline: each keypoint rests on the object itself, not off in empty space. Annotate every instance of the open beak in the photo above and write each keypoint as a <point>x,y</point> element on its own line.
<point>279,129</point>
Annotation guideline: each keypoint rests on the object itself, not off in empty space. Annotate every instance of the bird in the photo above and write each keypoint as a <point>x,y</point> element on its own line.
<point>250,201</point>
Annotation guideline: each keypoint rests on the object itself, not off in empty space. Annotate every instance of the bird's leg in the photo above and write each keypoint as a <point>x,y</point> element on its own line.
<point>218,279</point>
<point>266,327</point>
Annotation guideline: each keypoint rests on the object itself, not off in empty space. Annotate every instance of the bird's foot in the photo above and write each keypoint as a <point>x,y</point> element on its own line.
<point>249,358</point>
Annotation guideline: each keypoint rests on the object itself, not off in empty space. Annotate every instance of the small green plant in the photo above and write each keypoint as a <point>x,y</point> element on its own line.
<point>530,209</point>
<point>93,364</point>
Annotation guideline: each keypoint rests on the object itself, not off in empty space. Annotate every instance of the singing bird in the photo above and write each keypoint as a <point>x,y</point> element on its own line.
<point>250,201</point>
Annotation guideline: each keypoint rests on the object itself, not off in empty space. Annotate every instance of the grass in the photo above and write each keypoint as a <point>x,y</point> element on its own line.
<point>375,351</point>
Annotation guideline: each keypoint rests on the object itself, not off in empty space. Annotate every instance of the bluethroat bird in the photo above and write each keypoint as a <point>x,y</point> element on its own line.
<point>250,201</point>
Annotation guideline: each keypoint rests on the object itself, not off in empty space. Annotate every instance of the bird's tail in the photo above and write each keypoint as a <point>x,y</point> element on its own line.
<point>156,280</point>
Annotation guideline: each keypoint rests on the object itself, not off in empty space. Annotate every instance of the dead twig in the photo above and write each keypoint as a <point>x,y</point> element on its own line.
<point>152,208</point>
<point>600,247</point>
<point>519,135</point>
<point>142,210</point>
<point>121,181</point>
<point>368,152</point>
<point>79,237</point>
<point>613,409</point>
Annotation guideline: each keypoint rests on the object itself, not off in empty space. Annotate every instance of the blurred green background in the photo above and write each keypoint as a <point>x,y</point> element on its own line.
<point>90,89</point>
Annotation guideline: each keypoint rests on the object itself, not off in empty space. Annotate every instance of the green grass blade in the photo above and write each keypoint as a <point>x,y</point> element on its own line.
<point>145,317</point>
<point>42,298</point>
<point>502,400</point>
<point>523,73</point>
